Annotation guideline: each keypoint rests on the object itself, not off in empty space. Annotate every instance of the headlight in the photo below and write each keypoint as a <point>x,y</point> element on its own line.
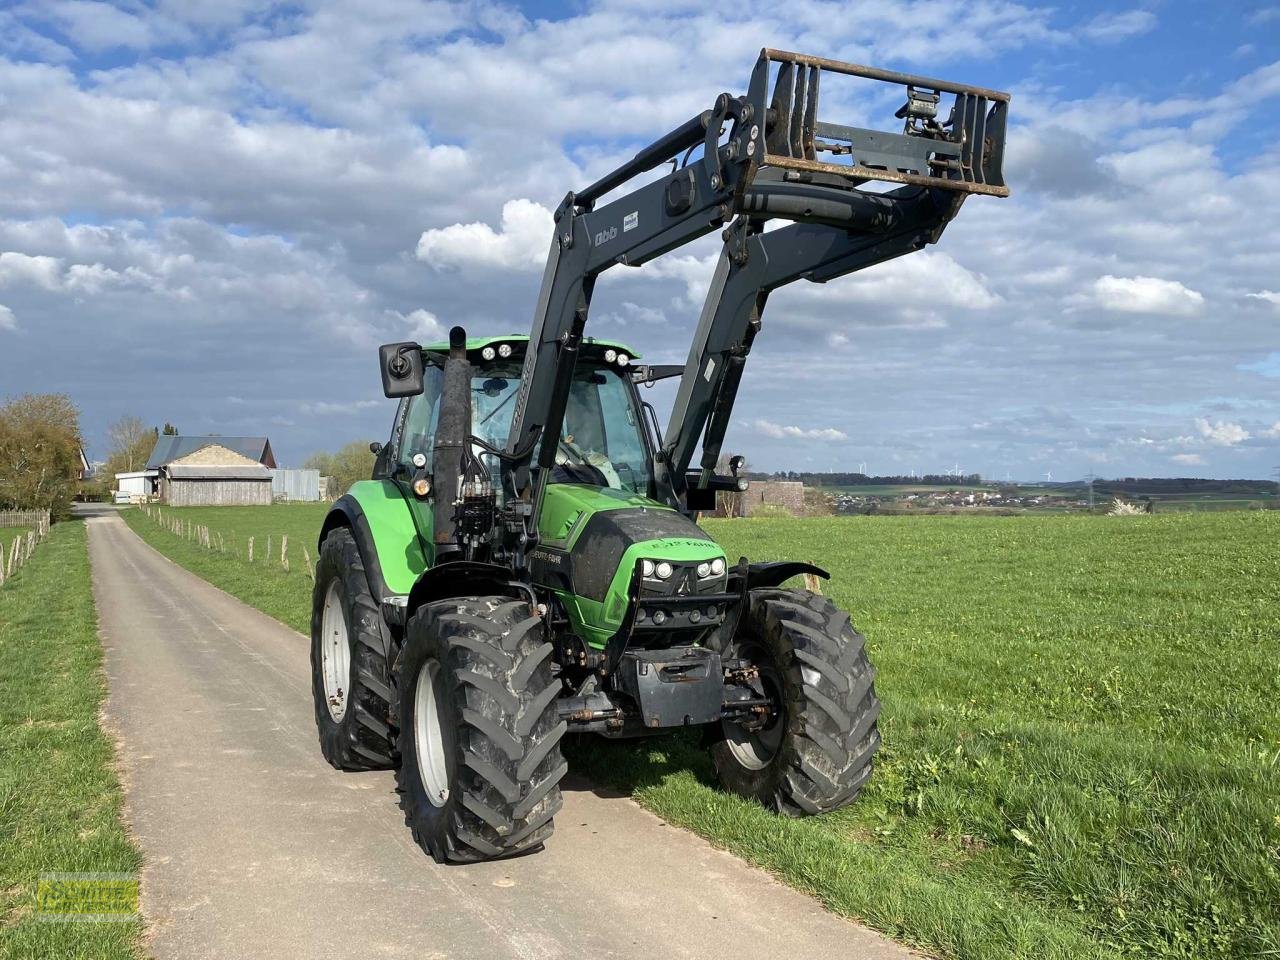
<point>646,568</point>
<point>704,569</point>
<point>663,570</point>
<point>717,566</point>
<point>504,350</point>
<point>623,359</point>
<point>610,356</point>
<point>488,353</point>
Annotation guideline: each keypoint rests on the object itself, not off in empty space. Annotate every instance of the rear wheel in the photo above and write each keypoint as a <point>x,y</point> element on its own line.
<point>348,661</point>
<point>479,737</point>
<point>813,754</point>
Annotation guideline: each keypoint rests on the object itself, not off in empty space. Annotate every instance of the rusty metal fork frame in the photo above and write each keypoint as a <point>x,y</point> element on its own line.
<point>965,153</point>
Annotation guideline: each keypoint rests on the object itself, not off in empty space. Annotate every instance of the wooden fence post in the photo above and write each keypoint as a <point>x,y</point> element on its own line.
<point>31,543</point>
<point>306,558</point>
<point>251,549</point>
<point>284,552</point>
<point>268,553</point>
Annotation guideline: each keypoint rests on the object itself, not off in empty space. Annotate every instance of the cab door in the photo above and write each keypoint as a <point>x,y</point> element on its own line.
<point>415,435</point>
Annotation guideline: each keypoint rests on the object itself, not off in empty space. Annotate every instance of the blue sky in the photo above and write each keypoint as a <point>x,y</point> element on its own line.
<point>212,214</point>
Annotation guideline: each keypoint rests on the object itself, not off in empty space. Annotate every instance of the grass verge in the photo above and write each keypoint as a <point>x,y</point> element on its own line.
<point>1082,747</point>
<point>60,800</point>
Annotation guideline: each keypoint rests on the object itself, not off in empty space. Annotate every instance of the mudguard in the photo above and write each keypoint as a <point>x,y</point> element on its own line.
<point>774,574</point>
<point>385,533</point>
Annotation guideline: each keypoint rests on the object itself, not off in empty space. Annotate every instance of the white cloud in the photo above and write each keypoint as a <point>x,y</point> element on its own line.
<point>424,326</point>
<point>1272,432</point>
<point>7,320</point>
<point>520,242</point>
<point>930,279</point>
<point>1146,295</point>
<point>41,271</point>
<point>1270,296</point>
<point>779,432</point>
<point>1113,27</point>
<point>1222,433</point>
<point>1188,459</point>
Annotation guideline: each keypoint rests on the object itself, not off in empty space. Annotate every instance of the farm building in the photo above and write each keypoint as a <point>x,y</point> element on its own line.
<point>296,486</point>
<point>137,485</point>
<point>213,471</point>
<point>787,494</point>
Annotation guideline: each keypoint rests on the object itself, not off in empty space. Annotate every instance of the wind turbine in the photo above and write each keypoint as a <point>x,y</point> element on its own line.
<point>1048,476</point>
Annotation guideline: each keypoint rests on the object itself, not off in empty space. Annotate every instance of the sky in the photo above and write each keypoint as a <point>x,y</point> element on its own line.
<point>212,214</point>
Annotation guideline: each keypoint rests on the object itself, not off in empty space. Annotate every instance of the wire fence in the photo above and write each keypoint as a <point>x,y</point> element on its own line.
<point>23,546</point>
<point>202,535</point>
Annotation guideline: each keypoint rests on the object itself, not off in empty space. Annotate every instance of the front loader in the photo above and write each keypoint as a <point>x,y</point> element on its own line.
<point>525,561</point>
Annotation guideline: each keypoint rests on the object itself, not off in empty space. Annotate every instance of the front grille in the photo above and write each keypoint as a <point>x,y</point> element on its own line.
<point>684,601</point>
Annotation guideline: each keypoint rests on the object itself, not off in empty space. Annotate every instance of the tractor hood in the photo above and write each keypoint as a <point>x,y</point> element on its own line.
<point>592,539</point>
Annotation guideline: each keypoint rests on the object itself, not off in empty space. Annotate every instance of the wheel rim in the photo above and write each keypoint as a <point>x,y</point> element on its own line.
<point>427,741</point>
<point>335,653</point>
<point>755,749</point>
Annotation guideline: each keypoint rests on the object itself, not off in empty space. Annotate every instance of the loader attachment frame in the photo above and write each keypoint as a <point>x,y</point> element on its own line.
<point>763,156</point>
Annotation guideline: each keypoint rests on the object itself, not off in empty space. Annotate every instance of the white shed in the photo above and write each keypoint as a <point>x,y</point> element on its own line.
<point>138,484</point>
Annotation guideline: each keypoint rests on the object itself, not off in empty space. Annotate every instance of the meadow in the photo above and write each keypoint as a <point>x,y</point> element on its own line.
<point>1081,738</point>
<point>60,799</point>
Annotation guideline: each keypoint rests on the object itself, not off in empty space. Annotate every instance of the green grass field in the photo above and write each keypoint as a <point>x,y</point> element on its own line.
<point>59,796</point>
<point>1081,736</point>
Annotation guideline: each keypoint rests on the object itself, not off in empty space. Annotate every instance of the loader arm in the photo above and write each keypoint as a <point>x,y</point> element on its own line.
<point>751,266</point>
<point>762,157</point>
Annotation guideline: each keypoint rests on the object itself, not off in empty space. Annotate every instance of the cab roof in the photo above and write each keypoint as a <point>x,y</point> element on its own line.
<point>479,343</point>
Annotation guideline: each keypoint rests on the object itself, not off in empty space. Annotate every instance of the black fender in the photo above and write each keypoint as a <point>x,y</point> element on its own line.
<point>346,512</point>
<point>775,573</point>
<point>465,578</point>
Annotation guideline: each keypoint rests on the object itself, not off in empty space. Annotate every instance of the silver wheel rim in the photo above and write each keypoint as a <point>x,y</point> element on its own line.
<point>755,750</point>
<point>335,654</point>
<point>427,742</point>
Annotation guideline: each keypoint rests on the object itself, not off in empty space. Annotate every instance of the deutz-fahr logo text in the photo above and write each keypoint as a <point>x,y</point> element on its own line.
<point>545,557</point>
<point>604,236</point>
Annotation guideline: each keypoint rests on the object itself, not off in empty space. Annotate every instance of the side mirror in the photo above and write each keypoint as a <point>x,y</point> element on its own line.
<point>401,367</point>
<point>735,463</point>
<point>375,447</point>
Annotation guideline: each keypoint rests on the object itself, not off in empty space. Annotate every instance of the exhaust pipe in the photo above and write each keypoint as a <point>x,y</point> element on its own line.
<point>452,429</point>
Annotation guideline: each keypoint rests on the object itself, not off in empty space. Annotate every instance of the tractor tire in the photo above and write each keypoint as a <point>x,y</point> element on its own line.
<point>479,735</point>
<point>815,754</point>
<point>349,675</point>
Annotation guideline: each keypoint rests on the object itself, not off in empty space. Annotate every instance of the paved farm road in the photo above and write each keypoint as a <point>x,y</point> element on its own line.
<point>256,848</point>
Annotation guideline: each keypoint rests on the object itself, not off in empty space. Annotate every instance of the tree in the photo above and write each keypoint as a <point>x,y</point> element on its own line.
<point>353,462</point>
<point>131,442</point>
<point>39,453</point>
<point>169,429</point>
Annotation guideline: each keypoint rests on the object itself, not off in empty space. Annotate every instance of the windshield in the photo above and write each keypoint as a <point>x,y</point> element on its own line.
<point>600,443</point>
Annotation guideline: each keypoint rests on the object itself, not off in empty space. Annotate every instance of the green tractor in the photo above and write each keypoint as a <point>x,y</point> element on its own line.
<point>526,562</point>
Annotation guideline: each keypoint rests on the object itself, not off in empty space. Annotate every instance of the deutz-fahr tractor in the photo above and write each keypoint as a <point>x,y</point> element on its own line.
<point>525,561</point>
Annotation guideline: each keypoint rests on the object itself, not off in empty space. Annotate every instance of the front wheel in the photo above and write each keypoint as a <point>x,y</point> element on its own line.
<point>348,661</point>
<point>479,736</point>
<point>813,753</point>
